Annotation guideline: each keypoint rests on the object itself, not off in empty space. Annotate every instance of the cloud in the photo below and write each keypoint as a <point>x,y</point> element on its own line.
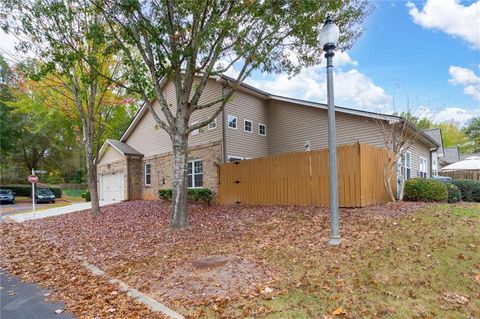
<point>457,114</point>
<point>466,78</point>
<point>451,17</point>
<point>352,88</point>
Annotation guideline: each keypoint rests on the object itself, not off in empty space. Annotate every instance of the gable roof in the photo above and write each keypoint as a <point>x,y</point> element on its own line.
<point>121,147</point>
<point>451,154</point>
<point>436,134</point>
<point>260,93</point>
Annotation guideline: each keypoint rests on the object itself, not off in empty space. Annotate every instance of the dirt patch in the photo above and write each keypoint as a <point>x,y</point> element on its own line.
<point>213,278</point>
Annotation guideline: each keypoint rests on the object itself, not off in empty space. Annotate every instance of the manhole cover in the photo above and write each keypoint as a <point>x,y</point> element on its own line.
<point>209,262</point>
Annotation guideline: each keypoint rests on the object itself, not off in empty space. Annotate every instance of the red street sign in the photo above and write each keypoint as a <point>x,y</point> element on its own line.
<point>33,179</point>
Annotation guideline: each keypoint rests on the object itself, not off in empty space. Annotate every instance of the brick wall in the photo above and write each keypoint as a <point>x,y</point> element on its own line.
<point>162,169</point>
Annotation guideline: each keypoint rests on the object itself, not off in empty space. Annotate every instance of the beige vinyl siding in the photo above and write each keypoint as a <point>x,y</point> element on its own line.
<point>245,144</point>
<point>419,149</point>
<point>111,155</point>
<point>151,140</point>
<point>291,125</point>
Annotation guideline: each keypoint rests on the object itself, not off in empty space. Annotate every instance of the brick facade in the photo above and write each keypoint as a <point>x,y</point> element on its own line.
<point>162,168</point>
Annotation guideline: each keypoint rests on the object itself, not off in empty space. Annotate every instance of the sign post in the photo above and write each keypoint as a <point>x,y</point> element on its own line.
<point>33,179</point>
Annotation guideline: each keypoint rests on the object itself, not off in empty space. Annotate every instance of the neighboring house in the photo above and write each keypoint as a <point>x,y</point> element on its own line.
<point>253,124</point>
<point>465,155</point>
<point>436,134</point>
<point>450,156</point>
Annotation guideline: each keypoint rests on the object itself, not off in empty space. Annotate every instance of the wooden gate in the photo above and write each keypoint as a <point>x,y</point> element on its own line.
<point>303,179</point>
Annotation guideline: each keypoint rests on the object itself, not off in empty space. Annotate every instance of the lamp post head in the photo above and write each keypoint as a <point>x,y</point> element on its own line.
<point>329,34</point>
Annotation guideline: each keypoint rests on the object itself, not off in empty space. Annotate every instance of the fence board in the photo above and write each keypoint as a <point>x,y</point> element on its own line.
<point>303,178</point>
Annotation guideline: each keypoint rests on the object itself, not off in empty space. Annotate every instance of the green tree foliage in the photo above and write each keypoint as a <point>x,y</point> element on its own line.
<point>187,42</point>
<point>452,134</point>
<point>419,121</point>
<point>472,131</point>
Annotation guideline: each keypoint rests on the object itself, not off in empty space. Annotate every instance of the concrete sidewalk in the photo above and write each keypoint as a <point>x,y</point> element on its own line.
<point>19,300</point>
<point>21,217</point>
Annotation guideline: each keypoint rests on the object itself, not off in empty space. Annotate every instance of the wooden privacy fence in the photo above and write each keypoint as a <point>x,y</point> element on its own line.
<point>302,178</point>
<point>475,175</point>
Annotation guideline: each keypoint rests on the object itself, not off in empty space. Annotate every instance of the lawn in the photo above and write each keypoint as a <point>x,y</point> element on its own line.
<point>74,195</point>
<point>401,260</point>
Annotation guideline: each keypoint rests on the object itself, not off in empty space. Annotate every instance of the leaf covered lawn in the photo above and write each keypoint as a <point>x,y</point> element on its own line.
<point>396,261</point>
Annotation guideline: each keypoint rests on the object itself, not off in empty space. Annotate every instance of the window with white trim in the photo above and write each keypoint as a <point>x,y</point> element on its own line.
<point>195,132</point>
<point>262,129</point>
<point>148,174</point>
<point>408,165</point>
<point>195,174</point>
<point>248,126</point>
<point>422,172</point>
<point>212,124</point>
<point>232,122</point>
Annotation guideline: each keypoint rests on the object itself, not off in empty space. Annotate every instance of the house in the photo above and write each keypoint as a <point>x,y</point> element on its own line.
<point>451,155</point>
<point>439,154</point>
<point>253,124</point>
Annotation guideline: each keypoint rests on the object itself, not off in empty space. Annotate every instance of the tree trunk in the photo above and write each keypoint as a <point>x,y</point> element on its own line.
<point>387,173</point>
<point>179,185</point>
<point>92,177</point>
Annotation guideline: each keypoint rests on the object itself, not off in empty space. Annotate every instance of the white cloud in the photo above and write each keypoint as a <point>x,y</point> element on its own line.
<point>7,43</point>
<point>457,114</point>
<point>466,78</point>
<point>352,88</point>
<point>451,17</point>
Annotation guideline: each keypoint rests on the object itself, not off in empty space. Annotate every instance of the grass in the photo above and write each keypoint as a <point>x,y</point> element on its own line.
<point>420,266</point>
<point>73,195</point>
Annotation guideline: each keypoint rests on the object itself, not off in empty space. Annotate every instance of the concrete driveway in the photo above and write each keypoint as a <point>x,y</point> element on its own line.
<point>75,207</point>
<point>26,206</point>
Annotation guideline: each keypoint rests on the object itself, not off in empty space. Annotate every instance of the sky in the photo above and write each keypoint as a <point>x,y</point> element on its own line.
<point>422,55</point>
<point>418,55</point>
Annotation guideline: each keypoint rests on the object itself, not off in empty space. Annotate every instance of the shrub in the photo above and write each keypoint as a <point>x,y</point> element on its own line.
<point>425,190</point>
<point>165,194</point>
<point>194,194</point>
<point>86,195</point>
<point>469,189</point>
<point>454,194</point>
<point>27,190</point>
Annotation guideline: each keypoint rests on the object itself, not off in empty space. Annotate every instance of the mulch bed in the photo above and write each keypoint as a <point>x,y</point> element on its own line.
<point>132,241</point>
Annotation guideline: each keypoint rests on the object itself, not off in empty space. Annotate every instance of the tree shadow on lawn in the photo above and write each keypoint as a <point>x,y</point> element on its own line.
<point>278,258</point>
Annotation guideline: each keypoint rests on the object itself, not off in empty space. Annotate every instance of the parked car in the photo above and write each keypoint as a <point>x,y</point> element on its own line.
<point>6,195</point>
<point>443,179</point>
<point>44,196</point>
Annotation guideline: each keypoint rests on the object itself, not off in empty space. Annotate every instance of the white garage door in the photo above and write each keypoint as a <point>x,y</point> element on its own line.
<point>111,187</point>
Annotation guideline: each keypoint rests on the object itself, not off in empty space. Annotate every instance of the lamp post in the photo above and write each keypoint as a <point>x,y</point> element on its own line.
<point>329,34</point>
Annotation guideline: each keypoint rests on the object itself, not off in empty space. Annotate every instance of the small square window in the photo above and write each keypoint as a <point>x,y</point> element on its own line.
<point>262,129</point>
<point>212,124</point>
<point>232,122</point>
<point>248,126</point>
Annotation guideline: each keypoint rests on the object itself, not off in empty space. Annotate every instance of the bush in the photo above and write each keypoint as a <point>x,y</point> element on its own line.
<point>425,190</point>
<point>194,194</point>
<point>27,190</point>
<point>454,194</point>
<point>469,189</point>
<point>86,195</point>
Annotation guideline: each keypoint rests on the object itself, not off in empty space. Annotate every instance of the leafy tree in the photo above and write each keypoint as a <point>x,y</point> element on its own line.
<point>472,131</point>
<point>421,122</point>
<point>452,134</point>
<point>69,38</point>
<point>187,42</point>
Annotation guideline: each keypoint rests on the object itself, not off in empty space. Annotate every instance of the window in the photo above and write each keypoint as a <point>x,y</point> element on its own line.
<point>232,121</point>
<point>262,129</point>
<point>148,174</point>
<point>195,174</point>
<point>248,126</point>
<point>195,132</point>
<point>212,124</point>
<point>422,172</point>
<point>408,165</point>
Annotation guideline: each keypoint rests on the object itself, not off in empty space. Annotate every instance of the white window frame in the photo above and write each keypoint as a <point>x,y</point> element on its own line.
<point>149,174</point>
<point>194,174</point>
<point>251,126</point>
<point>229,118</point>
<point>265,126</point>
<point>423,164</point>
<point>409,166</point>
<point>214,126</point>
<point>197,131</point>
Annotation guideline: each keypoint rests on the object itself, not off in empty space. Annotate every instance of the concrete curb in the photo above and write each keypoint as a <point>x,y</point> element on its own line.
<point>134,293</point>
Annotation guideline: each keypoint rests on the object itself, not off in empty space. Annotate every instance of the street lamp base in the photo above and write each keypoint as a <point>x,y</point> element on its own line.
<point>334,241</point>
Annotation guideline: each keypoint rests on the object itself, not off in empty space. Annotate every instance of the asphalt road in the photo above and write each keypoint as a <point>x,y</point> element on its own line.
<point>20,300</point>
<point>21,206</point>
